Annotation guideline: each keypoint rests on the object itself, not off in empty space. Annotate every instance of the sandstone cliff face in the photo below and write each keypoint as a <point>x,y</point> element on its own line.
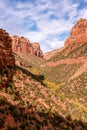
<point>7,61</point>
<point>23,45</point>
<point>20,44</point>
<point>78,33</point>
<point>36,49</point>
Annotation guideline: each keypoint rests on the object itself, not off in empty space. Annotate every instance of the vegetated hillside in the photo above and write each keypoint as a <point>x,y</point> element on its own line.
<point>52,53</point>
<point>66,63</point>
<point>29,102</point>
<point>28,60</point>
<point>71,60</point>
<point>68,69</point>
<point>71,51</point>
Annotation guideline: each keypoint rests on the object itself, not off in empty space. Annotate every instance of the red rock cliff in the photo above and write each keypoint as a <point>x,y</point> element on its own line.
<point>21,44</point>
<point>78,33</point>
<point>36,49</point>
<point>7,60</point>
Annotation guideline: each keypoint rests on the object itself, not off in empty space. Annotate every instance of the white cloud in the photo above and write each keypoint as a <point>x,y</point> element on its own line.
<point>52,19</point>
<point>85,0</point>
<point>82,13</point>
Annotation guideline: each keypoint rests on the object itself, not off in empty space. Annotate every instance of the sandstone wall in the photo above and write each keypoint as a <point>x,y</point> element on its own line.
<point>78,33</point>
<point>23,45</point>
<point>7,60</point>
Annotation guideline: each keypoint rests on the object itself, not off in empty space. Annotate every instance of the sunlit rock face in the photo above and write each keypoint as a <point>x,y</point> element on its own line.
<point>7,60</point>
<point>20,44</point>
<point>78,33</point>
<point>36,49</point>
<point>23,45</point>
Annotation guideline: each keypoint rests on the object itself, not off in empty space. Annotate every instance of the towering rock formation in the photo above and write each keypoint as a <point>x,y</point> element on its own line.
<point>7,60</point>
<point>20,44</point>
<point>78,33</point>
<point>36,49</point>
<point>23,45</point>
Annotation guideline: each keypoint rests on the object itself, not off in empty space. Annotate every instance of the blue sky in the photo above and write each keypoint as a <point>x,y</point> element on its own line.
<point>45,21</point>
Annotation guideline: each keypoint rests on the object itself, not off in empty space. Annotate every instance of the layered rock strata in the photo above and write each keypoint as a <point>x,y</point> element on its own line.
<point>78,33</point>
<point>7,60</point>
<point>23,45</point>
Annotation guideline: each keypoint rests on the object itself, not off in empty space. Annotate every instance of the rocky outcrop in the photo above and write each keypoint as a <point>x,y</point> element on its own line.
<point>78,33</point>
<point>7,60</point>
<point>36,49</point>
<point>23,45</point>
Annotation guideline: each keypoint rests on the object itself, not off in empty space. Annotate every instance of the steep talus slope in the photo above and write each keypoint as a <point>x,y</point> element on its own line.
<point>28,105</point>
<point>30,62</point>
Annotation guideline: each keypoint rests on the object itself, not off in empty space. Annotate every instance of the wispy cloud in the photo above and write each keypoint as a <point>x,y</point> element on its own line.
<point>45,21</point>
<point>85,0</point>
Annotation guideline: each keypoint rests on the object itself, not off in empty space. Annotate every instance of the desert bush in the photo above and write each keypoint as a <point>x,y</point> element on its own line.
<point>1,122</point>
